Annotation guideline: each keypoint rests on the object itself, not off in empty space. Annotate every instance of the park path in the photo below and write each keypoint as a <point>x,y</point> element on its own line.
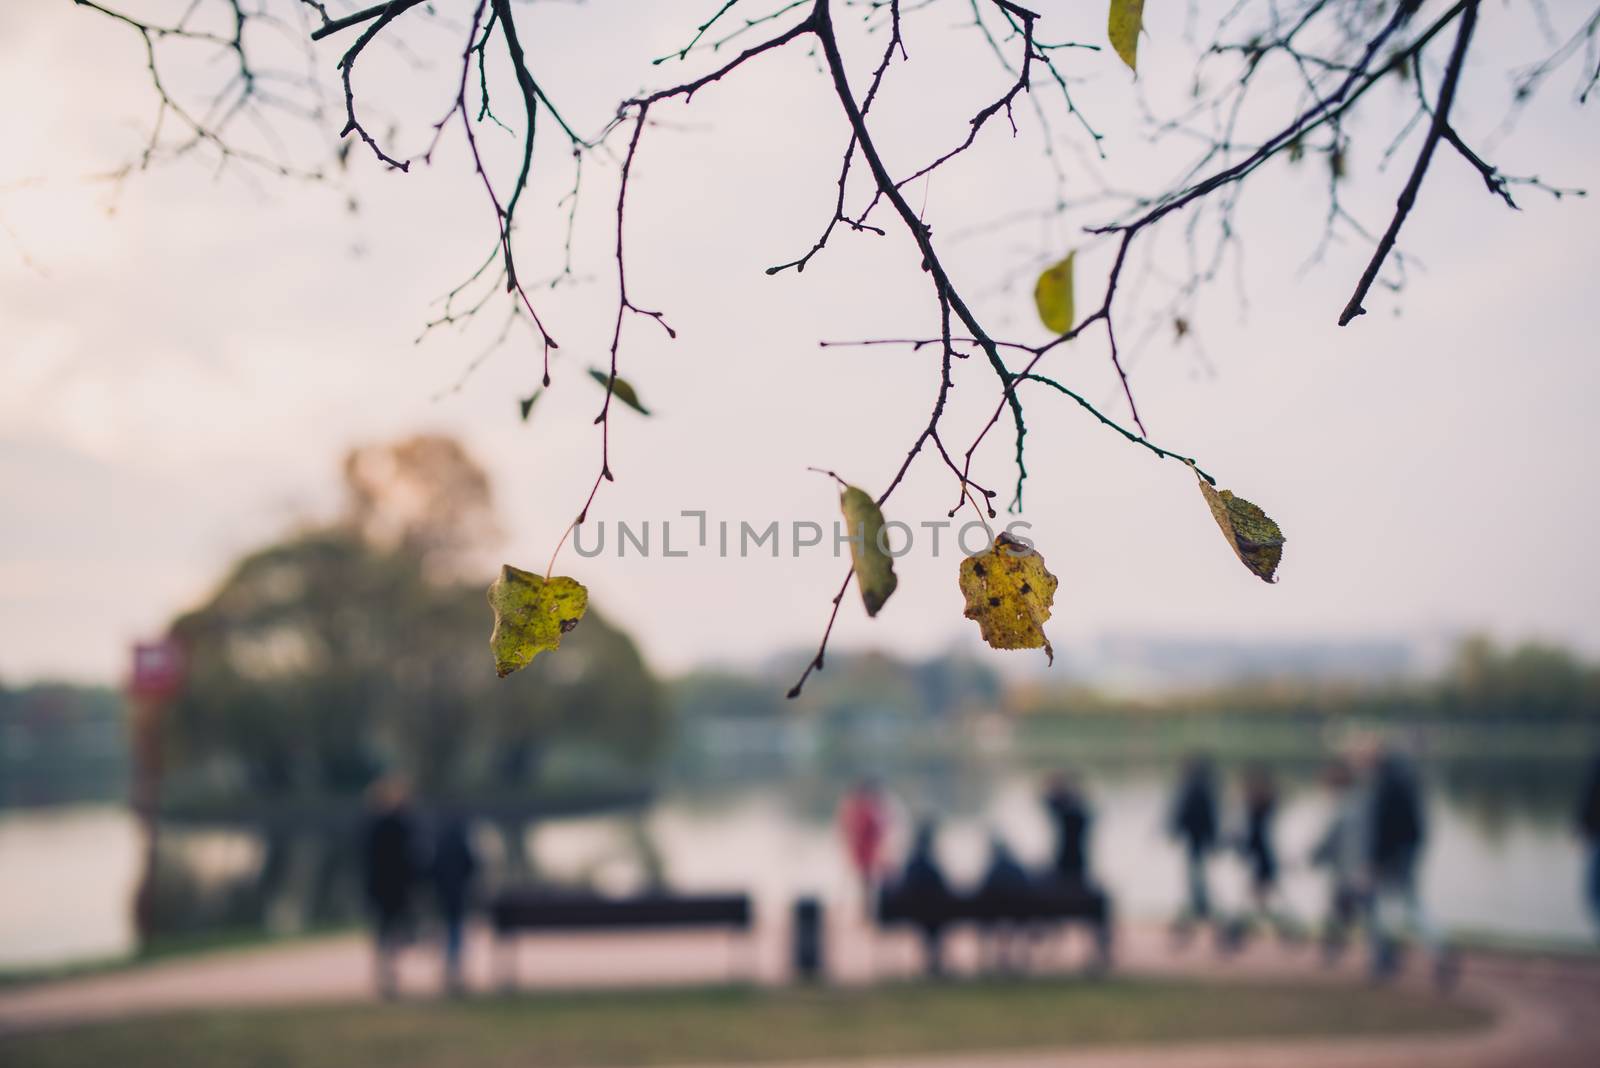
<point>1545,1010</point>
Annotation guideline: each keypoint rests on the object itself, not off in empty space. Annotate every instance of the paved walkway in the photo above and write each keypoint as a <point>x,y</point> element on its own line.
<point>1545,1010</point>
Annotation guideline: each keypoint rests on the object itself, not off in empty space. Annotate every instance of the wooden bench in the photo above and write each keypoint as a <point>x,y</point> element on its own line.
<point>1042,906</point>
<point>515,911</point>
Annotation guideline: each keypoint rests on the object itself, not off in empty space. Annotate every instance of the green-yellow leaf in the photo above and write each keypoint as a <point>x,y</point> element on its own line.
<point>874,568</point>
<point>1009,594</point>
<point>1123,26</point>
<point>1252,535</point>
<point>622,390</point>
<point>1053,296</point>
<point>530,615</point>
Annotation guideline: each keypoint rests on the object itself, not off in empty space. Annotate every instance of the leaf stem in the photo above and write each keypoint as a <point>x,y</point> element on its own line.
<point>1166,454</point>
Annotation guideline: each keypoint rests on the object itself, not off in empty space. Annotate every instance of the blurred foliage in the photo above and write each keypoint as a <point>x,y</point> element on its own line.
<point>1530,682</point>
<point>422,495</point>
<point>354,648</point>
<point>854,684</point>
<point>940,687</point>
<point>1533,679</point>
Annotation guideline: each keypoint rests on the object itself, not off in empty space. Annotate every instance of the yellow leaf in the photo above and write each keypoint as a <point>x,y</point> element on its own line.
<point>1009,594</point>
<point>530,615</point>
<point>1123,26</point>
<point>1253,536</point>
<point>1053,296</point>
<point>874,568</point>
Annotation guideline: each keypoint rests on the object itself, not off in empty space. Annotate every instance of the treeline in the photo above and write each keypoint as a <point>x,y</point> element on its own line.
<point>1530,682</point>
<point>854,684</point>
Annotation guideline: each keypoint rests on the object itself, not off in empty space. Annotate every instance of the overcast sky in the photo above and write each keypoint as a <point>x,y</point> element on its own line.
<point>179,378</point>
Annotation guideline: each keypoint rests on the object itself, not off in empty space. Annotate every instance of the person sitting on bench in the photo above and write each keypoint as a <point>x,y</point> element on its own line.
<point>1070,818</point>
<point>923,887</point>
<point>1007,895</point>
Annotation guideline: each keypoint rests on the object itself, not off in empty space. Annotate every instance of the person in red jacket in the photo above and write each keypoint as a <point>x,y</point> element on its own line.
<point>864,824</point>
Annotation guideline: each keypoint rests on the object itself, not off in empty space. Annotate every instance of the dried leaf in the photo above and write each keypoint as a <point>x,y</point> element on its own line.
<point>530,615</point>
<point>1123,26</point>
<point>1009,594</point>
<point>1252,535</point>
<point>622,390</point>
<point>526,403</point>
<point>1053,296</point>
<point>875,575</point>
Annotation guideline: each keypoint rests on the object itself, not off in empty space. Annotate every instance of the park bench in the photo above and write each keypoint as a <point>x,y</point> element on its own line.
<point>1041,908</point>
<point>516,911</point>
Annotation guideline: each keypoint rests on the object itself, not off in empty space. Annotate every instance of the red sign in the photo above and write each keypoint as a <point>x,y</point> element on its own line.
<point>157,669</point>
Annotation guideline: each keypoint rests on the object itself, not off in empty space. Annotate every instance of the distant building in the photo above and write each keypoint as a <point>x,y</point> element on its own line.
<point>1146,665</point>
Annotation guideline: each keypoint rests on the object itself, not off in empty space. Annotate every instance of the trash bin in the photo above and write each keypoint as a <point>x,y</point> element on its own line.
<point>807,935</point>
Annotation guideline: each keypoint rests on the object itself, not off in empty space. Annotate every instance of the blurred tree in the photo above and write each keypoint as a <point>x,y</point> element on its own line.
<point>341,650</point>
<point>355,648</point>
<point>1530,680</point>
<point>422,495</point>
<point>1483,680</point>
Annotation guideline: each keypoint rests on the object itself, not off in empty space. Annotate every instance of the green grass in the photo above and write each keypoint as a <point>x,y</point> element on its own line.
<point>736,1025</point>
<point>1523,945</point>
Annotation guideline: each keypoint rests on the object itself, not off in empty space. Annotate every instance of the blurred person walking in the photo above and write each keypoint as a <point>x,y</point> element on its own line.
<point>1343,851</point>
<point>1070,817</point>
<point>1589,827</point>
<point>453,868</point>
<point>1193,823</point>
<point>1257,847</point>
<point>864,825</point>
<point>1398,830</point>
<point>390,864</point>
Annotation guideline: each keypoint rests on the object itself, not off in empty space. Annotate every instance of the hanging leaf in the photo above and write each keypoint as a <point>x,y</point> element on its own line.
<point>1252,535</point>
<point>1053,295</point>
<point>622,390</point>
<point>875,575</point>
<point>1123,26</point>
<point>527,403</point>
<point>530,615</point>
<point>1009,594</point>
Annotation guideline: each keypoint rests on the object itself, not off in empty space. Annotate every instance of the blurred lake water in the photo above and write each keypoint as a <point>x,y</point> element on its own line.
<point>1492,867</point>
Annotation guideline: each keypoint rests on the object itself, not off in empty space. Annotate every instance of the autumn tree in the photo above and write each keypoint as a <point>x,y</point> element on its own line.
<point>353,647</point>
<point>1274,83</point>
